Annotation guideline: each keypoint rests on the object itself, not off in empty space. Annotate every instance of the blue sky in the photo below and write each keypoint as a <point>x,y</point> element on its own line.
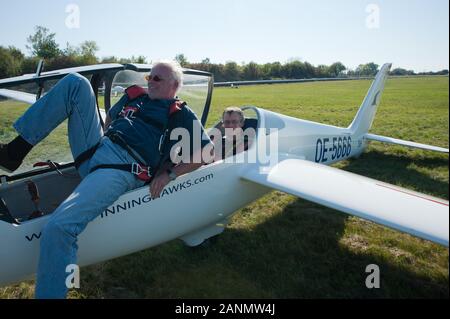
<point>412,34</point>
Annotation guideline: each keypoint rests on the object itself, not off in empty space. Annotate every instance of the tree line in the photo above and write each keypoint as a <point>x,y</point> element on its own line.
<point>42,45</point>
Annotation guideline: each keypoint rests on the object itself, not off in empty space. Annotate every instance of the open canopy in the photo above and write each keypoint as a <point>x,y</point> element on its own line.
<point>108,82</point>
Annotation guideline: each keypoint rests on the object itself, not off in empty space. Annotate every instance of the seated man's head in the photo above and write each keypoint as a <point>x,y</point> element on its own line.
<point>164,80</point>
<point>233,118</point>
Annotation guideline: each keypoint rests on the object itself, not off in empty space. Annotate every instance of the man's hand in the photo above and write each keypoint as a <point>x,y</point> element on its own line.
<point>158,183</point>
<point>162,177</point>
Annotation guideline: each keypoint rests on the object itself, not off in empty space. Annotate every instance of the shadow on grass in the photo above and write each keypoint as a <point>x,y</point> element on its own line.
<point>310,261</point>
<point>305,251</point>
<point>296,254</point>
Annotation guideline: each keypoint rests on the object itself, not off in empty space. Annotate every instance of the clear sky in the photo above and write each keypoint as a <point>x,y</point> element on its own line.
<point>413,34</point>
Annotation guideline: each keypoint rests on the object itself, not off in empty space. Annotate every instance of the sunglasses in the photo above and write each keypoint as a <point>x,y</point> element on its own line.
<point>155,78</point>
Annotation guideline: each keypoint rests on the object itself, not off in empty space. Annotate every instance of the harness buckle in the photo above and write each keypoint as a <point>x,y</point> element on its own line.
<point>142,172</point>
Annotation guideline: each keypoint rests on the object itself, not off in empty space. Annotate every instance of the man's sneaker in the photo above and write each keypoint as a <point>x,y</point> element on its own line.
<point>6,163</point>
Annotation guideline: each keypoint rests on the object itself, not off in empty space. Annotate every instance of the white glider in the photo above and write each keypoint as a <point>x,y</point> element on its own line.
<point>197,205</point>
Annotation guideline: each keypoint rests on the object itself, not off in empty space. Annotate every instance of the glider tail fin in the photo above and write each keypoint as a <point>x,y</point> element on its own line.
<point>366,113</point>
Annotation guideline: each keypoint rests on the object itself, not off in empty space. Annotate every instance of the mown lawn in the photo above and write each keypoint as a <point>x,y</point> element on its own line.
<point>285,247</point>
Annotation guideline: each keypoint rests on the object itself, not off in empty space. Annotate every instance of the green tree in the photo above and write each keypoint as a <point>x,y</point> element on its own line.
<point>71,50</point>
<point>16,54</point>
<point>400,71</point>
<point>250,71</point>
<point>63,61</point>
<point>11,60</point>
<point>29,64</point>
<point>294,70</point>
<point>264,71</point>
<point>88,49</point>
<point>8,66</point>
<point>231,71</point>
<point>336,68</point>
<point>110,59</point>
<point>139,59</point>
<point>372,68</point>
<point>369,69</point>
<point>124,60</point>
<point>322,71</point>
<point>180,58</point>
<point>42,44</point>
<point>309,70</point>
<point>219,72</point>
<point>275,70</point>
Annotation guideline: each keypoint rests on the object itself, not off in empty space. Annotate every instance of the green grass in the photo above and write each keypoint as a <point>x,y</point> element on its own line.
<point>284,247</point>
<point>55,146</point>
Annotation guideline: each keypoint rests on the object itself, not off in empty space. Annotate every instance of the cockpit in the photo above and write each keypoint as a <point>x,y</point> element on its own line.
<point>234,141</point>
<point>196,91</point>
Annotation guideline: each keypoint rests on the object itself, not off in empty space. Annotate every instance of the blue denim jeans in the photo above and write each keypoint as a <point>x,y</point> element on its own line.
<point>73,98</point>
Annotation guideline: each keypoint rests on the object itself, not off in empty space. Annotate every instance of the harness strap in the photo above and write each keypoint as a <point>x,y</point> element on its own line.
<point>176,106</point>
<point>117,139</point>
<point>144,173</point>
<point>132,93</point>
<point>135,91</point>
<point>85,155</point>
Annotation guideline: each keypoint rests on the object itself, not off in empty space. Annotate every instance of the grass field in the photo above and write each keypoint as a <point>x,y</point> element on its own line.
<point>285,247</point>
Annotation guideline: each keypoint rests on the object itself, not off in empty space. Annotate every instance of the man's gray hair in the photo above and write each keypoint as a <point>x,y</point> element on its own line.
<point>177,71</point>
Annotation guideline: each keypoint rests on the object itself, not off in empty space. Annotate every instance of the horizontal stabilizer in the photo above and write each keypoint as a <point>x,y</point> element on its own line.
<point>399,208</point>
<point>390,140</point>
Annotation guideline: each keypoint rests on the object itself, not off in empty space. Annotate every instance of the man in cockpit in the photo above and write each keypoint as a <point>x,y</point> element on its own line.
<point>234,140</point>
<point>125,157</point>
